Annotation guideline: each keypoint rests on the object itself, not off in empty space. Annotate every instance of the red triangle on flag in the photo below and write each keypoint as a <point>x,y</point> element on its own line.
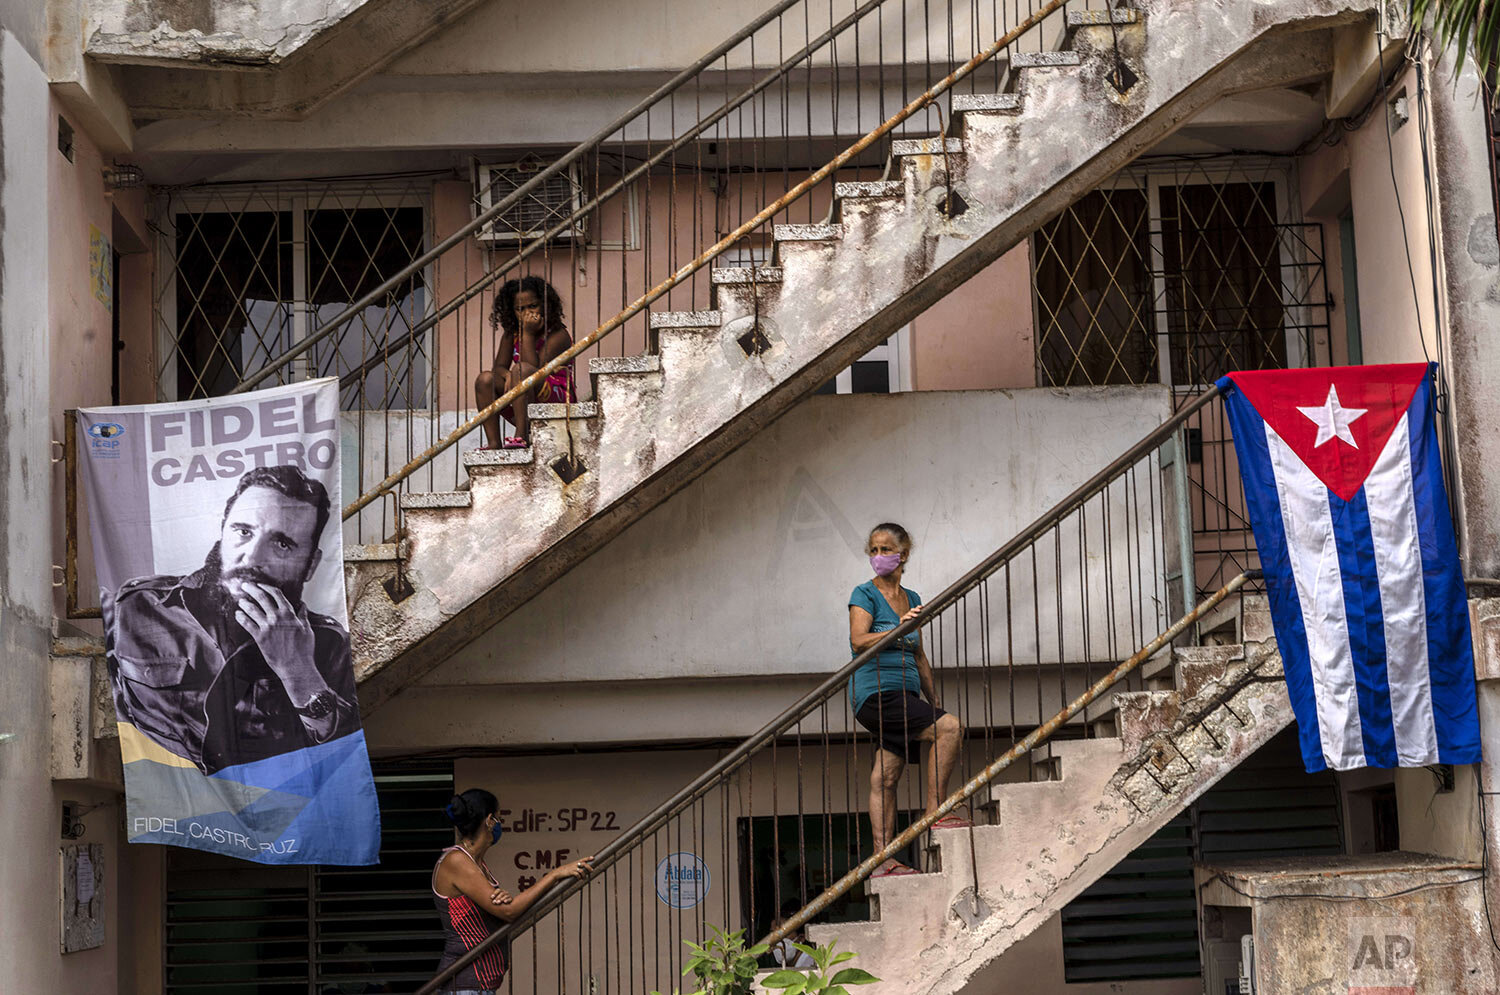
<point>1337,419</point>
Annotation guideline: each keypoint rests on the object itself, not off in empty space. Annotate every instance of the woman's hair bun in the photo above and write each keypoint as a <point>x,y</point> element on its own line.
<point>468,809</point>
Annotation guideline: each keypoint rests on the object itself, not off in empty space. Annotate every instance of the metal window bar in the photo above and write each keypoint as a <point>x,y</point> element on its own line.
<point>1121,601</point>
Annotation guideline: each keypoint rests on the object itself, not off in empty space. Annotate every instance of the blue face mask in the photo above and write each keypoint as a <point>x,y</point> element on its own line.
<point>496,831</point>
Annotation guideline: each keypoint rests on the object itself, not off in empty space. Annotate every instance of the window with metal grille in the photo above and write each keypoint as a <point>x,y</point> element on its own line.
<point>537,212</point>
<point>1140,920</point>
<point>238,928</point>
<point>1178,273</point>
<point>246,272</point>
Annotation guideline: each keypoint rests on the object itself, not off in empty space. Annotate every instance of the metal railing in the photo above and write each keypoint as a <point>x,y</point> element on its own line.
<point>753,134</point>
<point>1094,581</point>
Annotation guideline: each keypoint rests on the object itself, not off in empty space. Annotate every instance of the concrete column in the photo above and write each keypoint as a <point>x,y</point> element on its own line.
<point>1470,268</point>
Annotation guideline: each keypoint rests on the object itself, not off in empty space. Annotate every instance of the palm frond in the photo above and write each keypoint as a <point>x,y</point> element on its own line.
<point>1472,27</point>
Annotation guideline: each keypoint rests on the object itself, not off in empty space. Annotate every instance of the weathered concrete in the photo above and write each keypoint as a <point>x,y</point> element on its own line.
<point>1056,837</point>
<point>837,297</point>
<point>278,60</point>
<point>30,802</point>
<point>1470,271</point>
<point>1386,922</point>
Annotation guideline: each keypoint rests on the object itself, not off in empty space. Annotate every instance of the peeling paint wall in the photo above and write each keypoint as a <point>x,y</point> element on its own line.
<point>28,876</point>
<point>212,30</point>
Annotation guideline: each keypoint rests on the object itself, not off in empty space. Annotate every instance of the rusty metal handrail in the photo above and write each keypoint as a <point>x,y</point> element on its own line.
<point>703,259</point>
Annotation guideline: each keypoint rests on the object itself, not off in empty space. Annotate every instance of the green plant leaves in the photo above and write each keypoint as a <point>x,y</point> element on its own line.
<point>1471,26</point>
<point>723,966</point>
<point>854,976</point>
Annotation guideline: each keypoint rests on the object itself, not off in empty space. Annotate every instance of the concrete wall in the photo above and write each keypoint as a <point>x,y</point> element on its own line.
<point>28,875</point>
<point>30,879</point>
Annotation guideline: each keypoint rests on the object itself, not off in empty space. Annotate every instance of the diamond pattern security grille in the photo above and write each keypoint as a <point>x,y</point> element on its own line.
<point>1092,289</point>
<point>1178,273</point>
<point>1221,273</point>
<point>1195,262</point>
<point>246,272</point>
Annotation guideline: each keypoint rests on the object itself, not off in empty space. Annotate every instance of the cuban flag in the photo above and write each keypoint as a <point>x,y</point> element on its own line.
<point>1344,485</point>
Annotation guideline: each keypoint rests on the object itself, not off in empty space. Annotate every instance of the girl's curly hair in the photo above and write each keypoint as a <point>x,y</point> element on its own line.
<point>503,312</point>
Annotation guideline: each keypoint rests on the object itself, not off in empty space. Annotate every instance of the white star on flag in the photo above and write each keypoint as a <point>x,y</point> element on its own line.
<point>1333,419</point>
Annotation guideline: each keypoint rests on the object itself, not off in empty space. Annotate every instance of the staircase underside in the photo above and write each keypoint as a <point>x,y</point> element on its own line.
<point>218,61</point>
<point>837,290</point>
<point>1055,838</point>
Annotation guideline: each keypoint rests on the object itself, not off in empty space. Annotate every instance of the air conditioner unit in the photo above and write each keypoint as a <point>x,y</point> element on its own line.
<point>540,210</point>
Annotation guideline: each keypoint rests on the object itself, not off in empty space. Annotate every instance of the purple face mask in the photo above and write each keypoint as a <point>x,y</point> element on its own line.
<point>885,563</point>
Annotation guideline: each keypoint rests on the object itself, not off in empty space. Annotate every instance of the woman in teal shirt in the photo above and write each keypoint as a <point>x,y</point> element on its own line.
<point>886,692</point>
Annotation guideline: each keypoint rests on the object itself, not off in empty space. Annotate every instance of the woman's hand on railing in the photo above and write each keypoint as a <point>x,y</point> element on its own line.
<point>577,869</point>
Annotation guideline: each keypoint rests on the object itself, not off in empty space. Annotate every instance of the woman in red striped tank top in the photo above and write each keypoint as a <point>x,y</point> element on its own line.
<point>470,902</point>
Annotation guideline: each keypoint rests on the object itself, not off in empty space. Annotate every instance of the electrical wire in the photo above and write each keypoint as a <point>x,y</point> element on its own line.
<point>1484,856</point>
<point>1390,155</point>
<point>1426,886</point>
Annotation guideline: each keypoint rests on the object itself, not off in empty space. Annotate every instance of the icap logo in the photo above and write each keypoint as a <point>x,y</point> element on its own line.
<point>104,439</point>
<point>681,880</point>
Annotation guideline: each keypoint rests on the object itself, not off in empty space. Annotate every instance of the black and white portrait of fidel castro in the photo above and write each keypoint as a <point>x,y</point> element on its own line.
<point>226,665</point>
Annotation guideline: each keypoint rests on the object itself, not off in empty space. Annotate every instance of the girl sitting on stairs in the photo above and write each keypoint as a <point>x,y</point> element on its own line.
<point>530,313</point>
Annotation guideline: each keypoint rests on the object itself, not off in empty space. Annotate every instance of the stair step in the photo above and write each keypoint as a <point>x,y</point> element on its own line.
<point>1255,619</point>
<point>372,552</point>
<point>745,274</point>
<point>807,233</point>
<point>1143,713</point>
<point>1046,765</point>
<point>1045,60</point>
<point>873,188</point>
<point>1158,672</point>
<point>477,459</point>
<point>1003,103</point>
<point>686,319</point>
<point>578,409</point>
<point>927,146</point>
<point>1103,18</point>
<point>432,500</point>
<point>624,364</point>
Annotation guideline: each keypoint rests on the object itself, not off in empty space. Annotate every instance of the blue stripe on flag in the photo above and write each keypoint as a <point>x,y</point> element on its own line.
<point>1450,649</point>
<point>1270,539</point>
<point>1366,625</point>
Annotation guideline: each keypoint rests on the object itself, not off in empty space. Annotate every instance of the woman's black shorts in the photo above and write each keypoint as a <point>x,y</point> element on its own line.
<point>896,719</point>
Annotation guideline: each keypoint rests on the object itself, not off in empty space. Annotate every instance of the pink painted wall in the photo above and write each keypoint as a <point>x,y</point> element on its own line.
<point>79,322</point>
<point>980,337</point>
<point>1389,315</point>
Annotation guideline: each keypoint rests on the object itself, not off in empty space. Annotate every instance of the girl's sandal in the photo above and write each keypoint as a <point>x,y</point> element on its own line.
<point>952,822</point>
<point>892,868</point>
<point>513,442</point>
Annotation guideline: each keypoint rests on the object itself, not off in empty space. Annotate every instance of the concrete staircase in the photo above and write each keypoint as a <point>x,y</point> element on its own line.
<point>1012,160</point>
<point>1100,799</point>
